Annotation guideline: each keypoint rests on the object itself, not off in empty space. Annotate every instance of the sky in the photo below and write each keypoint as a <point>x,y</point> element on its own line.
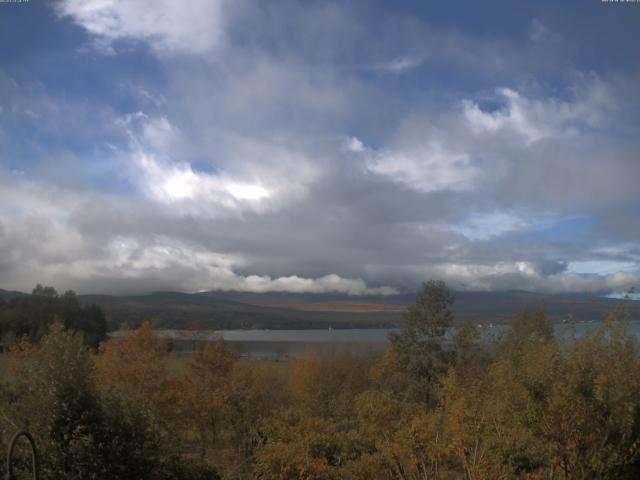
<point>357,147</point>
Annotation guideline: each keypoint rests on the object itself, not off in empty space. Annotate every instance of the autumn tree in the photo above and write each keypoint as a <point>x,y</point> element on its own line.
<point>543,408</point>
<point>52,394</point>
<point>204,390</point>
<point>135,363</point>
<point>256,393</point>
<point>419,346</point>
<point>327,384</point>
<point>132,374</point>
<point>134,381</point>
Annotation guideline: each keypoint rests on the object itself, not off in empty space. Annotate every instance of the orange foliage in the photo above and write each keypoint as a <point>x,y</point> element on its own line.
<point>204,390</point>
<point>134,364</point>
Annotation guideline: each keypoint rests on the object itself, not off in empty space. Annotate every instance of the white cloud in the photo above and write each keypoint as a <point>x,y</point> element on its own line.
<point>324,284</point>
<point>602,267</point>
<point>481,276</point>
<point>177,183</point>
<point>625,295</point>
<point>464,148</point>
<point>34,227</point>
<point>484,226</point>
<point>158,133</point>
<point>426,167</point>
<point>249,174</point>
<point>400,64</point>
<point>540,33</point>
<point>278,164</point>
<point>247,191</point>
<point>20,198</point>
<point>568,282</point>
<point>255,169</point>
<point>37,234</point>
<point>520,116</point>
<point>169,263</point>
<point>524,275</point>
<point>353,144</point>
<point>167,26</point>
<point>535,119</point>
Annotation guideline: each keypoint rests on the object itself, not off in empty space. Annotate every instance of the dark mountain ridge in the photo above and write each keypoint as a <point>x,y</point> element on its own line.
<point>11,294</point>
<point>278,310</point>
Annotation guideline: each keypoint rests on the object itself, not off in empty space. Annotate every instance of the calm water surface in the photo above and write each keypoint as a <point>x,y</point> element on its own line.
<point>296,342</point>
<point>354,335</point>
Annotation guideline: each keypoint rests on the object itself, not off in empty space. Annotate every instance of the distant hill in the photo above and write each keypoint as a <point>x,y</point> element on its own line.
<point>10,294</point>
<point>220,311</point>
<point>230,310</point>
<point>237,310</point>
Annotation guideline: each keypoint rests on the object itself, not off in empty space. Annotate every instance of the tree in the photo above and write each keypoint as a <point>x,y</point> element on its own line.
<point>54,396</point>
<point>33,315</point>
<point>419,345</point>
<point>44,291</point>
<point>256,392</point>
<point>528,326</point>
<point>327,384</point>
<point>204,390</point>
<point>135,385</point>
<point>546,409</point>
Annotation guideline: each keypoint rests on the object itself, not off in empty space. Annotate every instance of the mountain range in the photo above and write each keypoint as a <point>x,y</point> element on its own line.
<point>238,310</point>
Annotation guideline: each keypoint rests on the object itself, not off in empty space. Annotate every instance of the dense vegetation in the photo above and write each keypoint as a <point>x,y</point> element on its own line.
<point>531,406</point>
<point>32,315</point>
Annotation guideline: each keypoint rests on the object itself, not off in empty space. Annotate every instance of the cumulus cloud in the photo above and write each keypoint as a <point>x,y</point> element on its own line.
<point>176,183</point>
<point>311,224</point>
<point>516,116</point>
<point>37,234</point>
<point>196,269</point>
<point>472,147</point>
<point>526,275</point>
<point>324,284</point>
<point>427,167</point>
<point>167,26</point>
<point>535,119</point>
<point>353,144</point>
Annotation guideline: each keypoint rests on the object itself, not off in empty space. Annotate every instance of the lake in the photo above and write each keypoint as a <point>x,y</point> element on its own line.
<point>285,342</point>
<point>296,342</point>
